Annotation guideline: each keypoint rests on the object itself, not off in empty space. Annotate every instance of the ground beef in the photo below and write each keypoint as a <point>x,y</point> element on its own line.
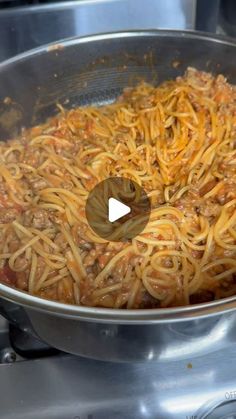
<point>37,183</point>
<point>148,301</point>
<point>7,215</point>
<point>38,218</point>
<point>201,297</point>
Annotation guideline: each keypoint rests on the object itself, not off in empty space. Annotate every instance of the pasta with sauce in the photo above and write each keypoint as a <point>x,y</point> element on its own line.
<point>177,141</point>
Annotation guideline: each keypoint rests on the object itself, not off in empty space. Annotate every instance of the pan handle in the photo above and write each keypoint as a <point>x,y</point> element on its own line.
<point>16,316</point>
<point>23,338</point>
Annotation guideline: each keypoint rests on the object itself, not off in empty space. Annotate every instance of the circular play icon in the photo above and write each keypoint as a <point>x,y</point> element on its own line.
<point>117,209</point>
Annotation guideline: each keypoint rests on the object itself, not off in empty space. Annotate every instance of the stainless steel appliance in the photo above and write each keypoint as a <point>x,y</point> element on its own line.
<point>40,384</point>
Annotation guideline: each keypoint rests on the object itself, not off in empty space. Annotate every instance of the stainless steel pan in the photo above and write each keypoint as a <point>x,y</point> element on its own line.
<point>95,70</point>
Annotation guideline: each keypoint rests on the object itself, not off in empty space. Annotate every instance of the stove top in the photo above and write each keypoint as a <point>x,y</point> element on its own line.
<point>41,383</point>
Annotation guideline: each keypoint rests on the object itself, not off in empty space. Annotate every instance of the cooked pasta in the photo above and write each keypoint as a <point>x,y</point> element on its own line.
<point>177,141</point>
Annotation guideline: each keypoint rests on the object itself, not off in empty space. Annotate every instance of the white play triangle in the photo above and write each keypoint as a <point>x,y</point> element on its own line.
<point>116,210</point>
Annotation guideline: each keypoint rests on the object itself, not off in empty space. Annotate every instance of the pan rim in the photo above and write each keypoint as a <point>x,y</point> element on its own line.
<point>55,46</point>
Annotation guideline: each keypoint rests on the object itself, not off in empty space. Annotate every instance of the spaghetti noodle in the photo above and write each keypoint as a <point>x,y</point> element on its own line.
<point>177,141</point>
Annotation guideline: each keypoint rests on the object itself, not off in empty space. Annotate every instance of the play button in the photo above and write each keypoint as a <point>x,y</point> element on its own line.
<point>117,209</point>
